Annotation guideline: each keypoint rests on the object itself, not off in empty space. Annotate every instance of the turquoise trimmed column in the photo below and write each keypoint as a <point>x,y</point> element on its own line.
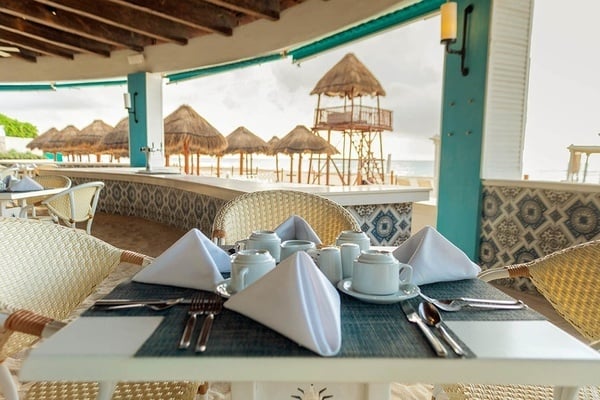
<point>463,108</point>
<point>145,91</point>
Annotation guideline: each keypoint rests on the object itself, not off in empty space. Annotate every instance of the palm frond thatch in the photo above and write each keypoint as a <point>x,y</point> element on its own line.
<point>349,78</point>
<point>302,140</point>
<point>186,130</point>
<point>39,141</point>
<point>90,137</point>
<point>242,141</point>
<point>116,142</point>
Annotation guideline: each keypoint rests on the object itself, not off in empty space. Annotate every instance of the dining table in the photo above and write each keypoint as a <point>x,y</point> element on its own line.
<point>8,197</point>
<point>379,346</point>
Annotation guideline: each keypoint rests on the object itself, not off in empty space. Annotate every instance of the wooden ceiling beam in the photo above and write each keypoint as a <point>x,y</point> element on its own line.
<point>196,14</point>
<point>267,9</point>
<point>126,18</point>
<point>53,36</point>
<point>22,53</point>
<point>28,43</point>
<point>75,24</point>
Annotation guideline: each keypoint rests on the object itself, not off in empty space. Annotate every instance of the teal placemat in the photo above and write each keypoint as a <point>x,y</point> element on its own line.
<point>368,330</point>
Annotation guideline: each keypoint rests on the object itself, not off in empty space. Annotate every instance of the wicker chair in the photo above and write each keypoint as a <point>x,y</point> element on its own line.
<point>50,271</point>
<point>267,209</point>
<point>570,280</point>
<point>76,204</point>
<point>48,182</point>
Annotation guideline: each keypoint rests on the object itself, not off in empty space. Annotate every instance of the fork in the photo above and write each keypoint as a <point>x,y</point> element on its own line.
<point>214,307</point>
<point>458,304</point>
<point>198,306</point>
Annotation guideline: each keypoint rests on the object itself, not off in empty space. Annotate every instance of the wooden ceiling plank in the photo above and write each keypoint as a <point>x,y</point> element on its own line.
<point>74,24</point>
<point>28,43</point>
<point>267,9</point>
<point>126,18</point>
<point>196,14</point>
<point>53,36</point>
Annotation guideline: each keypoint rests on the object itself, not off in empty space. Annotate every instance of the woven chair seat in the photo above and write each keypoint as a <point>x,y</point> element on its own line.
<point>570,280</point>
<point>50,271</point>
<point>267,209</point>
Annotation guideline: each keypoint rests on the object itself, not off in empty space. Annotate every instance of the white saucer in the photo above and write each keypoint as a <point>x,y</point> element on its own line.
<point>407,291</point>
<point>223,289</point>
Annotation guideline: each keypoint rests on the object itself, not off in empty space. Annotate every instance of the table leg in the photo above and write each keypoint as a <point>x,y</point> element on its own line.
<point>565,393</point>
<point>106,389</point>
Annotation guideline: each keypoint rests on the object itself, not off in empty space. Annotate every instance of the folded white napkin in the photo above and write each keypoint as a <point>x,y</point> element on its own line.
<point>193,261</point>
<point>296,227</point>
<point>434,258</point>
<point>296,300</point>
<point>25,184</point>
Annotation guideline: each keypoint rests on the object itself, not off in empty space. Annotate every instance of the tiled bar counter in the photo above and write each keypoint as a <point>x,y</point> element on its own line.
<point>185,201</point>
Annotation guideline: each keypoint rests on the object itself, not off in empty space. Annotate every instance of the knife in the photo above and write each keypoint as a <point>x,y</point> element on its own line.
<point>114,302</point>
<point>412,316</point>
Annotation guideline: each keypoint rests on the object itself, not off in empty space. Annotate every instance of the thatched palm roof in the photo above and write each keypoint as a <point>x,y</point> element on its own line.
<point>40,141</point>
<point>272,144</point>
<point>116,142</point>
<point>302,140</point>
<point>61,142</point>
<point>186,130</point>
<point>349,78</point>
<point>242,141</point>
<point>89,138</point>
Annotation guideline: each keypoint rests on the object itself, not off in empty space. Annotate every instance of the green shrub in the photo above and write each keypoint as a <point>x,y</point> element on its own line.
<point>15,155</point>
<point>15,128</point>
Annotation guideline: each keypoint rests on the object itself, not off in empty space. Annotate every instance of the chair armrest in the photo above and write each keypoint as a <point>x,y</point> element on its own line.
<point>26,321</point>
<point>510,271</point>
<point>595,345</point>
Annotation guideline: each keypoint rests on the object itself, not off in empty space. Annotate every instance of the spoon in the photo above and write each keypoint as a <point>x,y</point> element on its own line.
<point>432,317</point>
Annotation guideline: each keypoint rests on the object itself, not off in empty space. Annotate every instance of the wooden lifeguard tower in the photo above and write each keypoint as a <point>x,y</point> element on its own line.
<point>360,125</point>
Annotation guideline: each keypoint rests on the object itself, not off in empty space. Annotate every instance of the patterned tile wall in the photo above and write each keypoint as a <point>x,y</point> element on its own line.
<point>520,224</point>
<point>386,224</point>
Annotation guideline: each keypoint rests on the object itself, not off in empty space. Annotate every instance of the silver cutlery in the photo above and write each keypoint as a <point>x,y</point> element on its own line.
<point>197,307</point>
<point>214,307</point>
<point>459,304</point>
<point>430,314</point>
<point>113,302</point>
<point>412,316</point>
<point>156,306</point>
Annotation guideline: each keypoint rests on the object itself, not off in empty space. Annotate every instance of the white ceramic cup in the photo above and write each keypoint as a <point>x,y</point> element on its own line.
<point>329,261</point>
<point>289,247</point>
<point>358,237</point>
<point>378,272</point>
<point>268,240</point>
<point>348,253</point>
<point>248,266</point>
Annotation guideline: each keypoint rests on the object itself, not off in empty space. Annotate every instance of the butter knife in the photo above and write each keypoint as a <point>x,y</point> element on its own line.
<point>412,316</point>
<point>114,302</point>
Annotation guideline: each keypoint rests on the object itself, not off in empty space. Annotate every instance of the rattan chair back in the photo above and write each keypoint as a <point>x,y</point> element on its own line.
<point>50,270</point>
<point>267,209</point>
<point>76,204</point>
<point>570,280</point>
<point>48,182</point>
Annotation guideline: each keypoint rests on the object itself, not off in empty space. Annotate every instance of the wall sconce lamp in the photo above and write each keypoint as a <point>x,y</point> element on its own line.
<point>131,106</point>
<point>448,32</point>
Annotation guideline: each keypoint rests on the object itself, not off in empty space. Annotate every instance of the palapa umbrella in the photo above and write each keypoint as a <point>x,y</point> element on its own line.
<point>241,141</point>
<point>272,143</point>
<point>39,141</point>
<point>62,141</point>
<point>116,141</point>
<point>186,132</point>
<point>88,140</point>
<point>301,140</point>
<point>349,78</point>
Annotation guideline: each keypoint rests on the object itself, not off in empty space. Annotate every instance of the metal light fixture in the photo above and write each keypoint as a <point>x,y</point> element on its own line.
<point>448,11</point>
<point>130,105</point>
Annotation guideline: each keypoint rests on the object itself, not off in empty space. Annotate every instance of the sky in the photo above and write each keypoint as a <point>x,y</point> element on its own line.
<point>271,99</point>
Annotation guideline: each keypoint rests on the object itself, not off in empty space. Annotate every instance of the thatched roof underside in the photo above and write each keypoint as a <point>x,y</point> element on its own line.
<point>302,140</point>
<point>349,78</point>
<point>242,141</point>
<point>185,127</point>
